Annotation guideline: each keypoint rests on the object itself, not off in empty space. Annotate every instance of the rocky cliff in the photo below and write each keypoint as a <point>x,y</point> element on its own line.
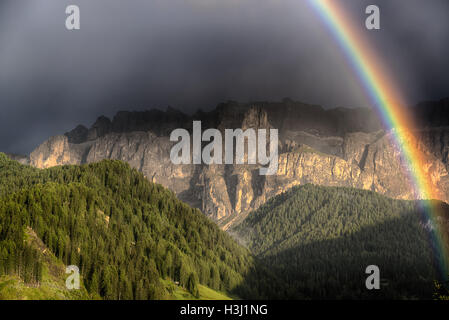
<point>339,147</point>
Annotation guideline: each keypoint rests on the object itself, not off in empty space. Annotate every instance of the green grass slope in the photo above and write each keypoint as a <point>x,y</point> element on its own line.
<point>177,292</point>
<point>51,285</point>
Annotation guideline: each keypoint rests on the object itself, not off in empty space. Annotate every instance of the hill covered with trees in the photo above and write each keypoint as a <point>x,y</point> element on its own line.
<point>319,241</point>
<point>130,238</point>
<point>133,239</point>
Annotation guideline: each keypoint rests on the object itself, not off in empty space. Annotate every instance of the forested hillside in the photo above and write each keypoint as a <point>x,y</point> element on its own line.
<point>133,239</point>
<point>128,236</point>
<point>319,240</point>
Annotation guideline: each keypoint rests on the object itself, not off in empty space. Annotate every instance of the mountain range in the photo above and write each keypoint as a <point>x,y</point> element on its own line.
<point>335,147</point>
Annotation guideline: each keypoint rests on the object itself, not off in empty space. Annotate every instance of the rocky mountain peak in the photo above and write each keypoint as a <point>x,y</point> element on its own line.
<point>100,128</point>
<point>78,135</point>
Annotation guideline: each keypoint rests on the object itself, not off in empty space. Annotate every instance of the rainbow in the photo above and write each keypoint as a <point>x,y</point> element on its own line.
<point>384,95</point>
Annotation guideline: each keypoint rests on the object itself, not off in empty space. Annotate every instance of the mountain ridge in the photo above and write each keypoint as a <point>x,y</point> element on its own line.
<point>336,147</point>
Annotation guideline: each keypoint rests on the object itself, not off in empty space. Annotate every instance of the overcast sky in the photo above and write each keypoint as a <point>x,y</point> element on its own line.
<point>190,54</point>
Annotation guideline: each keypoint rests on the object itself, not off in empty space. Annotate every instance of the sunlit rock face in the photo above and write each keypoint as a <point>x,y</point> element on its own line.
<point>338,147</point>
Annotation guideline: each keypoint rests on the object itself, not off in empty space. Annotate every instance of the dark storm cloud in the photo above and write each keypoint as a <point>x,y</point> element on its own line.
<point>413,44</point>
<point>193,54</point>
